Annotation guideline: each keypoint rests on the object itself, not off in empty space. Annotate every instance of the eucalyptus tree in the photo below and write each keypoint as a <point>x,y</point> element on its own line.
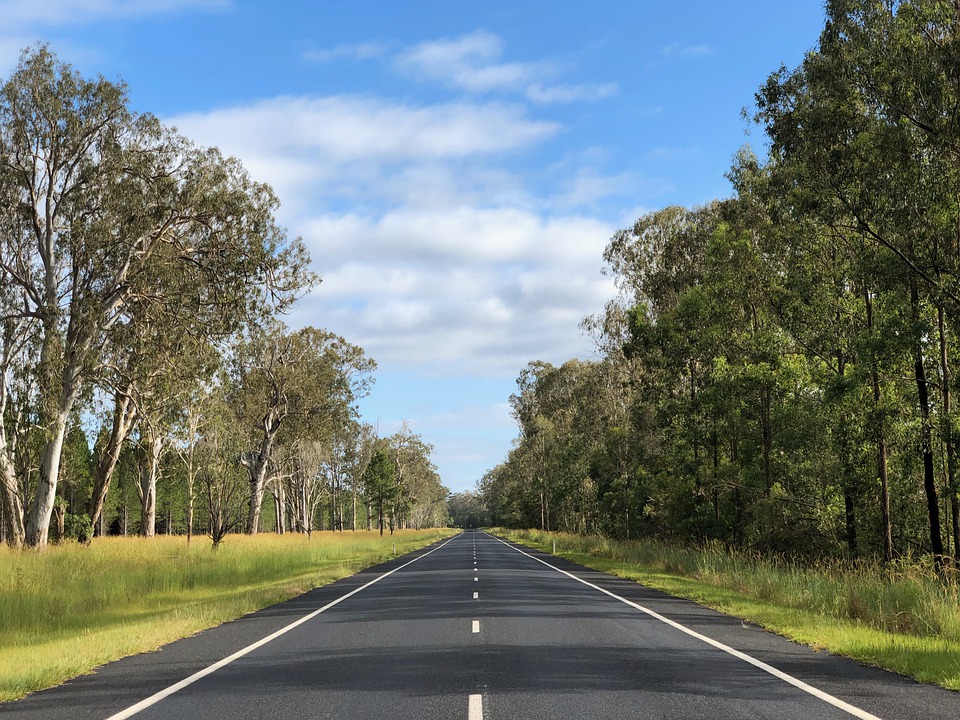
<point>419,498</point>
<point>467,510</point>
<point>300,472</point>
<point>286,385</point>
<point>365,444</point>
<point>870,122</point>
<point>342,450</point>
<point>188,433</point>
<point>222,482</point>
<point>103,202</point>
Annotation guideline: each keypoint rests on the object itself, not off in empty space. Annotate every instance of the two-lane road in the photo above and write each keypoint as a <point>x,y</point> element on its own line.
<point>473,628</point>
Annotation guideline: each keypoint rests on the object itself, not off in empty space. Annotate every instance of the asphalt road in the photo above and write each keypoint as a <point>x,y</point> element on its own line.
<point>477,628</point>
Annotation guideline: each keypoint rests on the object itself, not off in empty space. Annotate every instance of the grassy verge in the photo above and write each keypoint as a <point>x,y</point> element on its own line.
<point>902,619</point>
<point>67,610</point>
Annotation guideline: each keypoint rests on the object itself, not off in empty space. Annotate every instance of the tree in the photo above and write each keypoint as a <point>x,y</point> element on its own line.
<point>467,510</point>
<point>102,204</point>
<point>379,484</point>
<point>221,479</point>
<point>304,382</point>
<point>879,92</point>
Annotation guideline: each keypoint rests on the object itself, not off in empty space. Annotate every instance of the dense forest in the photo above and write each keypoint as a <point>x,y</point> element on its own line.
<point>777,371</point>
<point>147,382</point>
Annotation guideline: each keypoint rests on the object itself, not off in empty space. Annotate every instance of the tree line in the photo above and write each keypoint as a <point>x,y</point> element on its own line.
<point>144,367</point>
<point>776,371</point>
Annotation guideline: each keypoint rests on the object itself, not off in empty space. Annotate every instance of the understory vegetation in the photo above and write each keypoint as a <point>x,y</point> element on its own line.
<point>72,608</point>
<point>902,618</point>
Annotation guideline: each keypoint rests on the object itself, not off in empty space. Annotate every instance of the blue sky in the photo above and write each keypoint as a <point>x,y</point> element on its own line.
<point>455,169</point>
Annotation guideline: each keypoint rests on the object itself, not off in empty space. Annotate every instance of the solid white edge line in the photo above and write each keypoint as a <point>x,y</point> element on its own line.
<point>475,709</point>
<point>800,684</point>
<point>210,669</point>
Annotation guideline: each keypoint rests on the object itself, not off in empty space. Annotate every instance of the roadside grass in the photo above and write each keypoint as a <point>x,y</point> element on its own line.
<point>69,609</point>
<point>902,618</point>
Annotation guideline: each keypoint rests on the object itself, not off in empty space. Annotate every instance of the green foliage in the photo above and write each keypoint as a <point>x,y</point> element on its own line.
<point>79,528</point>
<point>126,254</point>
<point>777,369</point>
<point>380,487</point>
<point>467,510</point>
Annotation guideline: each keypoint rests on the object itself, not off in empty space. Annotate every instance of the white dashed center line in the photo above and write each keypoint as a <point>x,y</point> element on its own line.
<point>476,626</point>
<point>475,711</point>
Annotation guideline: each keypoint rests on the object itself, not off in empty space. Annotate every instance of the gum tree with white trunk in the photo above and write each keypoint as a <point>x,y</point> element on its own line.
<point>103,204</point>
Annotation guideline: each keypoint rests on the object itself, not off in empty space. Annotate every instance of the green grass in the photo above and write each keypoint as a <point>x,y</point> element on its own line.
<point>71,608</point>
<point>902,619</point>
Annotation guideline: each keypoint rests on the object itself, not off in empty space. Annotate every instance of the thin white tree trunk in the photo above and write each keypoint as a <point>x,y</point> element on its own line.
<point>123,420</point>
<point>148,485</point>
<point>258,473</point>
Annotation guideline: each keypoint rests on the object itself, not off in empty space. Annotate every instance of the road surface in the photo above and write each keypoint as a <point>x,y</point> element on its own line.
<point>474,627</point>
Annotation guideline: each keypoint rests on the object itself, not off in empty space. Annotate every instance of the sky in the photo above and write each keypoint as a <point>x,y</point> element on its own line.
<point>455,169</point>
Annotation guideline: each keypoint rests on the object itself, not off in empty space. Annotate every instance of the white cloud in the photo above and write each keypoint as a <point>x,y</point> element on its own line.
<point>75,12</point>
<point>587,187</point>
<point>678,50</point>
<point>473,63</point>
<point>466,291</point>
<point>351,128</point>
<point>437,255</point>
<point>570,93</point>
<point>470,62</point>
<point>353,147</point>
<point>359,51</point>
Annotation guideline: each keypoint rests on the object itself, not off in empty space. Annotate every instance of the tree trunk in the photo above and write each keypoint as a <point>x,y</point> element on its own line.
<point>149,471</point>
<point>11,499</point>
<point>767,433</point>
<point>188,520</point>
<point>926,440</point>
<point>886,529</point>
<point>846,464</point>
<point>948,435</point>
<point>59,521</point>
<point>258,472</point>
<point>41,510</point>
<point>11,494</point>
<point>124,414</point>
<point>737,498</point>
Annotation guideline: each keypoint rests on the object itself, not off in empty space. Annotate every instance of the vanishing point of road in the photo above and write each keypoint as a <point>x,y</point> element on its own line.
<point>472,628</point>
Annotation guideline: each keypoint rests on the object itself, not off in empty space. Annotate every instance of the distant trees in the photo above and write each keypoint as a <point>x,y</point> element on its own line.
<point>402,485</point>
<point>777,368</point>
<point>467,510</point>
